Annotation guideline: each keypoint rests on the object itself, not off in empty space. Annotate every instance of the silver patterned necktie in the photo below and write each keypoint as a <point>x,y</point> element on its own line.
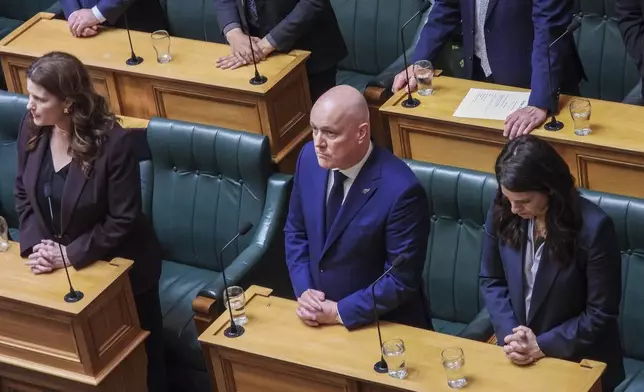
<point>480,48</point>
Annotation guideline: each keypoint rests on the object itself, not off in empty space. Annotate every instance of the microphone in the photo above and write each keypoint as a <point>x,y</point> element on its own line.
<point>134,59</point>
<point>234,330</point>
<point>410,102</point>
<point>381,366</point>
<point>257,79</point>
<point>73,295</point>
<point>554,124</point>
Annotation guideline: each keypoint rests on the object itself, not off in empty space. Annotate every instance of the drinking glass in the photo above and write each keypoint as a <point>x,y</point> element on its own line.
<point>580,113</point>
<point>453,362</point>
<point>237,304</point>
<point>4,235</point>
<point>161,43</point>
<point>424,73</point>
<point>394,353</point>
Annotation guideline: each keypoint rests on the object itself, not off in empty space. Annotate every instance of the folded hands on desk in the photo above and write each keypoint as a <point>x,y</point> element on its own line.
<point>314,309</point>
<point>521,346</point>
<point>47,257</point>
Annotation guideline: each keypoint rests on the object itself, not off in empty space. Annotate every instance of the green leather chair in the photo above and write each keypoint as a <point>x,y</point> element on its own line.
<point>206,182</point>
<point>14,12</point>
<point>610,71</point>
<point>194,19</point>
<point>459,200</point>
<point>12,109</point>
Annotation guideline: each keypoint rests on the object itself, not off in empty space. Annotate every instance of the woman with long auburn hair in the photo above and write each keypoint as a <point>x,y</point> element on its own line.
<point>73,154</point>
<point>551,264</point>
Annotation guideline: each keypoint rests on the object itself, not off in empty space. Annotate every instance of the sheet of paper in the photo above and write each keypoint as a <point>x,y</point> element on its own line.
<point>491,104</point>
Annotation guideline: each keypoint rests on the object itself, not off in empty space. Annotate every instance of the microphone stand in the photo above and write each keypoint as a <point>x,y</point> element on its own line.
<point>234,331</point>
<point>134,59</point>
<point>410,102</point>
<point>258,78</point>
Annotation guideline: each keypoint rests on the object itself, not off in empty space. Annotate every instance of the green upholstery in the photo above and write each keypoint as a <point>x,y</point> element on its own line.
<point>459,200</point>
<point>207,181</point>
<point>611,72</point>
<point>194,19</point>
<point>12,109</point>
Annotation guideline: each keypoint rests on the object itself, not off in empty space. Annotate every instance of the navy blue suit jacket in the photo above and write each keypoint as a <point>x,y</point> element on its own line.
<point>385,213</point>
<point>517,35</point>
<point>574,308</point>
<point>142,15</point>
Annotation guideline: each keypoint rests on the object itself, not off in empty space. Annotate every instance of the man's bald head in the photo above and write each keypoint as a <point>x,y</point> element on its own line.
<point>340,121</point>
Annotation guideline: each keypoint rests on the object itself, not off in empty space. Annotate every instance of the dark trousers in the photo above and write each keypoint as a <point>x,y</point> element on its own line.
<point>321,82</point>
<point>148,306</point>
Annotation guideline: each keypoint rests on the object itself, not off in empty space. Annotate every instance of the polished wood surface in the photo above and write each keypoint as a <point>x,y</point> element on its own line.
<point>131,122</point>
<point>47,344</point>
<point>279,353</point>
<point>611,159</point>
<point>189,88</point>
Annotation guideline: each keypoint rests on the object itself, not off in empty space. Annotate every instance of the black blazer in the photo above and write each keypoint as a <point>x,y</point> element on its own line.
<point>630,15</point>
<point>101,214</point>
<point>294,24</point>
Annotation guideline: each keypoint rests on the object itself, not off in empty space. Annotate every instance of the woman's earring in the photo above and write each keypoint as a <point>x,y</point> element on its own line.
<point>66,110</point>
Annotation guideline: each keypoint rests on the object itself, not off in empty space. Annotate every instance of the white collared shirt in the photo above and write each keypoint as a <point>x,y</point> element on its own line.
<point>531,266</point>
<point>351,173</point>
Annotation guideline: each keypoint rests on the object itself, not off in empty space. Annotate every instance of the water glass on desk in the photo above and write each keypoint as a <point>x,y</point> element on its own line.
<point>394,353</point>
<point>453,362</point>
<point>580,113</point>
<point>237,304</point>
<point>161,43</point>
<point>4,235</point>
<point>424,74</point>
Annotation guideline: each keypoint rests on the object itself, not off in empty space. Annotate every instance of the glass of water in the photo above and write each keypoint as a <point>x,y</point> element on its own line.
<point>237,303</point>
<point>394,353</point>
<point>161,43</point>
<point>453,362</point>
<point>424,73</point>
<point>4,235</point>
<point>580,113</point>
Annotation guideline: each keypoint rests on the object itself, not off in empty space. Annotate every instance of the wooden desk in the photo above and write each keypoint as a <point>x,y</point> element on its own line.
<point>48,345</point>
<point>611,159</point>
<point>190,88</point>
<point>279,353</point>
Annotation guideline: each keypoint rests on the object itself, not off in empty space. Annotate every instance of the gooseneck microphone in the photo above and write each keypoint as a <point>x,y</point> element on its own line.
<point>257,79</point>
<point>73,295</point>
<point>234,330</point>
<point>134,59</point>
<point>410,102</point>
<point>381,365</point>
<point>554,124</point>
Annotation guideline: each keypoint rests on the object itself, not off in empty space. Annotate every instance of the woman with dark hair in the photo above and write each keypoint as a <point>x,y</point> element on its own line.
<point>72,150</point>
<point>551,264</point>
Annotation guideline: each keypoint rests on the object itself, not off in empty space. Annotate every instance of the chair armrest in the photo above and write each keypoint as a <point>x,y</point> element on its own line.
<point>386,78</point>
<point>480,328</point>
<point>275,210</point>
<point>55,8</point>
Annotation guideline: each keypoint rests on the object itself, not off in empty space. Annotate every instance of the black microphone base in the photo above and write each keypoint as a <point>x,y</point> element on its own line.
<point>410,103</point>
<point>134,60</point>
<point>258,79</point>
<point>553,125</point>
<point>381,367</point>
<point>235,332</point>
<point>74,296</point>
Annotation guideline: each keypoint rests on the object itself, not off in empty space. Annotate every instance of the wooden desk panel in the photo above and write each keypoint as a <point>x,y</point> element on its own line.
<point>611,159</point>
<point>190,88</point>
<point>279,353</point>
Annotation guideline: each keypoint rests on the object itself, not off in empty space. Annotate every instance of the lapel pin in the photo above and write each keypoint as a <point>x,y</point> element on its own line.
<point>365,191</point>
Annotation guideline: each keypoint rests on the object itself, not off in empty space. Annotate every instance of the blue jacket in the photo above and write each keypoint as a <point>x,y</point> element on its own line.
<point>517,35</point>
<point>142,15</point>
<point>574,308</point>
<point>385,213</point>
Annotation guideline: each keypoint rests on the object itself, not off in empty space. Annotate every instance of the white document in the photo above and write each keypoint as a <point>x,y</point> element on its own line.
<point>491,104</point>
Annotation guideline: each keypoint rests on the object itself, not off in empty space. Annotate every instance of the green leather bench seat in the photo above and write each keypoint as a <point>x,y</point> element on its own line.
<point>194,19</point>
<point>634,376</point>
<point>8,25</point>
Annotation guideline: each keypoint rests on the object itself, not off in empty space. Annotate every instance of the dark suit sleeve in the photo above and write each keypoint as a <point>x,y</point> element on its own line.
<point>124,205</point>
<point>113,9</point>
<point>494,285</point>
<point>443,19</point>
<point>31,231</point>
<point>297,23</point>
<point>69,6</point>
<point>296,239</point>
<point>407,233</point>
<point>631,24</point>
<point>603,273</point>
<point>550,18</point>
<point>227,12</point>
